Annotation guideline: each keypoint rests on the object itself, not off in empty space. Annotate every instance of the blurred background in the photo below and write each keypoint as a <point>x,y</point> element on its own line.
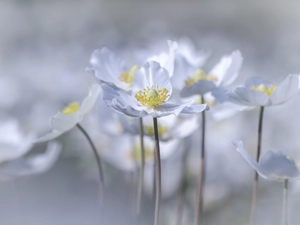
<point>45,48</point>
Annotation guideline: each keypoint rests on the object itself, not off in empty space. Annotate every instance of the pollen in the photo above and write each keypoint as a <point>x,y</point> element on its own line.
<point>71,108</point>
<point>268,90</point>
<point>128,76</point>
<point>161,130</point>
<point>200,75</point>
<point>152,97</point>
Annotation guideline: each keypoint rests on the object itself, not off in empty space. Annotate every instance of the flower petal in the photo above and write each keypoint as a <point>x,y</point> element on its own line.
<point>277,166</point>
<point>107,67</point>
<point>122,102</point>
<point>89,102</point>
<point>244,96</point>
<point>62,123</point>
<point>151,74</point>
<point>34,164</point>
<point>285,90</point>
<point>200,87</point>
<point>240,148</point>
<point>227,70</point>
<point>50,136</point>
<point>182,71</point>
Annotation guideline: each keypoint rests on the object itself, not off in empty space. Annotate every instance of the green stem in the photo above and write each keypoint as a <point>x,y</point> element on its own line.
<point>255,182</point>
<point>285,203</point>
<point>141,181</point>
<point>199,205</point>
<point>98,159</point>
<point>158,173</point>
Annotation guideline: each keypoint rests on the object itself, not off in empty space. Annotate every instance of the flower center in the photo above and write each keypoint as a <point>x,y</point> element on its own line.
<point>127,76</point>
<point>199,75</point>
<point>152,97</point>
<point>71,108</point>
<point>135,153</point>
<point>161,130</point>
<point>268,90</point>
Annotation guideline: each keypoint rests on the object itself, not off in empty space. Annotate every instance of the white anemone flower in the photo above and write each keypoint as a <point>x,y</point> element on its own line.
<point>107,67</point>
<point>151,89</point>
<point>187,49</point>
<point>272,165</point>
<point>192,81</point>
<point>13,142</point>
<point>71,115</point>
<point>258,92</point>
<point>33,164</point>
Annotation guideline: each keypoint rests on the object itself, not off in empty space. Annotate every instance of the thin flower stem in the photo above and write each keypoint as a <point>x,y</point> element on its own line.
<point>255,182</point>
<point>199,205</point>
<point>158,173</point>
<point>184,183</point>
<point>285,203</point>
<point>141,181</point>
<point>98,159</point>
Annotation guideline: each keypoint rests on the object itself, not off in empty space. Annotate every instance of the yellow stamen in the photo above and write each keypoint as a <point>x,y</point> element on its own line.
<point>200,75</point>
<point>152,97</point>
<point>127,76</point>
<point>135,153</point>
<point>268,90</point>
<point>161,130</point>
<point>71,108</point>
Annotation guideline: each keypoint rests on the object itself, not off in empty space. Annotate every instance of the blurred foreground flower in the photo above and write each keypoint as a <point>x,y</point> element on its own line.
<point>33,164</point>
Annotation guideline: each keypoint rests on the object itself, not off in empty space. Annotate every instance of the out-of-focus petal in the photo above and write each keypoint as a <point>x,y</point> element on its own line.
<point>244,96</point>
<point>227,70</point>
<point>62,123</point>
<point>275,165</point>
<point>34,164</point>
<point>285,90</point>
<point>88,103</point>
<point>200,87</point>
<point>49,136</point>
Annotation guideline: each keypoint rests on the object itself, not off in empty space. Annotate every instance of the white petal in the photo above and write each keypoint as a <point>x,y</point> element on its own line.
<point>285,90</point>
<point>200,87</point>
<point>244,96</point>
<point>227,70</point>
<point>182,71</point>
<point>240,148</point>
<point>34,164</point>
<point>108,67</point>
<point>183,129</point>
<point>62,123</point>
<point>188,51</point>
<point>193,109</point>
<point>88,103</point>
<point>122,102</point>
<point>10,151</point>
<point>275,165</point>
<point>151,74</point>
<point>49,136</point>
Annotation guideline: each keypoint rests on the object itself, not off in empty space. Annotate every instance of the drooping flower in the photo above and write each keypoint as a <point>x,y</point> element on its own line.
<point>272,165</point>
<point>71,115</point>
<point>194,81</point>
<point>258,92</point>
<point>150,91</point>
<point>107,67</point>
<point>33,164</point>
